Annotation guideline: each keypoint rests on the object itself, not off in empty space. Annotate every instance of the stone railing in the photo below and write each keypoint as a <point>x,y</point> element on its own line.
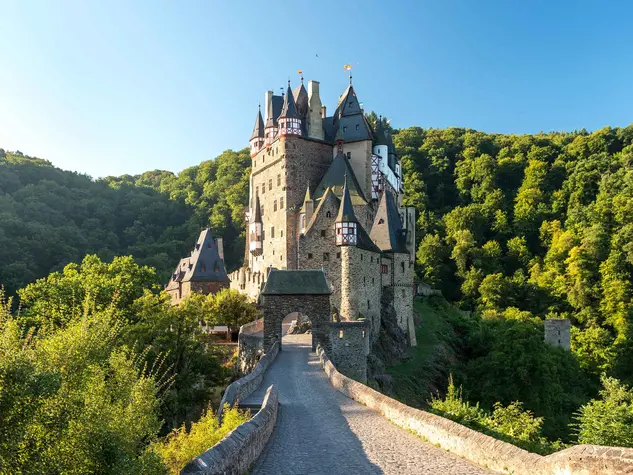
<point>250,343</point>
<point>240,448</point>
<point>481,448</point>
<point>243,387</point>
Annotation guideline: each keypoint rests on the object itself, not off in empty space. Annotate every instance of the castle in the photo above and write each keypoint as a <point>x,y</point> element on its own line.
<point>326,193</point>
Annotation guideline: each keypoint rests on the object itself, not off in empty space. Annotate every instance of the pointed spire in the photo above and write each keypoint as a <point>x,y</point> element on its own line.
<point>289,109</point>
<point>346,210</point>
<point>307,197</point>
<point>258,130</point>
<point>257,215</point>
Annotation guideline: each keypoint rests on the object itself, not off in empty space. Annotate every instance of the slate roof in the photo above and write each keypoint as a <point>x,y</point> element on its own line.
<point>334,179</point>
<point>205,263</point>
<point>273,109</point>
<point>178,274</point>
<point>301,100</point>
<point>387,231</point>
<point>257,215</point>
<point>290,108</point>
<point>258,130</point>
<point>346,210</point>
<point>296,282</point>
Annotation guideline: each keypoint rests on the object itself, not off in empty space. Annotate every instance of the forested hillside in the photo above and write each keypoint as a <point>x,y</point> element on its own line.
<point>50,217</point>
<point>531,225</point>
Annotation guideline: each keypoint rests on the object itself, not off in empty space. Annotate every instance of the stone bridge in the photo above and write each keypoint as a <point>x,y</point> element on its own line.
<point>319,430</point>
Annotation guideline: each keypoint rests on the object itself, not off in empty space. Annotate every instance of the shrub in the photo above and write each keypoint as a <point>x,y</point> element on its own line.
<point>608,420</point>
<point>181,446</point>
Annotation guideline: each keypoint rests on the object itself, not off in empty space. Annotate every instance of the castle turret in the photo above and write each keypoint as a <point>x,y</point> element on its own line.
<point>346,223</point>
<point>255,230</point>
<point>306,211</point>
<point>289,120</point>
<point>271,123</point>
<point>257,139</point>
<point>316,111</point>
<point>381,143</point>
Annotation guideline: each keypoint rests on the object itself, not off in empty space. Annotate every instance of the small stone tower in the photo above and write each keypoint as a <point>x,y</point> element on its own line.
<point>315,119</point>
<point>289,120</point>
<point>557,332</point>
<point>257,139</point>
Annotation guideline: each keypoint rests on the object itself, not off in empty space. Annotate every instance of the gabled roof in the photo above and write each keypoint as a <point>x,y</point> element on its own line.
<point>205,263</point>
<point>349,118</point>
<point>296,282</point>
<point>179,273</point>
<point>348,103</point>
<point>328,197</point>
<point>289,108</point>
<point>346,210</point>
<point>334,179</point>
<point>257,215</point>
<point>258,130</point>
<point>387,231</point>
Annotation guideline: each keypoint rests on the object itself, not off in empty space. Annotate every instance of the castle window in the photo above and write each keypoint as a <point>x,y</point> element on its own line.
<point>384,268</point>
<point>281,258</point>
<point>357,126</point>
<point>256,190</point>
<point>270,184</point>
<point>263,234</point>
<point>368,305</point>
<point>272,232</point>
<point>326,256</point>
<point>328,214</point>
<point>340,333</point>
<point>381,221</point>
<point>282,233</point>
<point>372,280</point>
<point>254,163</point>
<point>263,188</point>
<point>403,293</point>
<point>197,246</point>
<point>371,258</point>
<point>349,155</point>
<point>363,333</point>
<point>402,265</point>
<point>209,245</point>
<point>345,129</point>
<point>261,210</point>
<point>364,282</point>
<point>309,255</point>
<point>322,232</point>
<point>338,255</point>
<point>361,257</point>
<point>275,205</point>
<point>281,203</point>
<point>278,180</point>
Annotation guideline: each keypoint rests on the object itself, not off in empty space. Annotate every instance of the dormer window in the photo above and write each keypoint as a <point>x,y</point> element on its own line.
<point>345,129</point>
<point>197,246</point>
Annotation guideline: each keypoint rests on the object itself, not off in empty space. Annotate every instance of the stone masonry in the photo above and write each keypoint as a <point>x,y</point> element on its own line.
<point>557,332</point>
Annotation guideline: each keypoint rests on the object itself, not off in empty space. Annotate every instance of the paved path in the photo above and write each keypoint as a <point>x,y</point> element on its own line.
<point>320,431</point>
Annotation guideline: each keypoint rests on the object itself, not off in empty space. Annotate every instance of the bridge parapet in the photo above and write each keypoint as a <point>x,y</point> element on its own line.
<point>480,448</point>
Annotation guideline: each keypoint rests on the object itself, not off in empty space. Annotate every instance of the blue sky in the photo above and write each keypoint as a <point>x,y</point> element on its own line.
<point>124,86</point>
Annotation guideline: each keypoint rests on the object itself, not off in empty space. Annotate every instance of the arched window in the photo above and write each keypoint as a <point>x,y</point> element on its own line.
<point>328,214</point>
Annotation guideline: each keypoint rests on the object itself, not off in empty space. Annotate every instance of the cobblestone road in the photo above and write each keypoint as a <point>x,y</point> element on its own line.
<point>320,431</point>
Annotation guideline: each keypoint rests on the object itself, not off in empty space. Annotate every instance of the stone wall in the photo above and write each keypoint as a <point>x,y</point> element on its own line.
<point>360,287</point>
<point>250,343</point>
<point>480,448</point>
<point>557,332</point>
<point>246,281</point>
<point>403,294</point>
<point>243,387</point>
<point>236,453</point>
<point>348,346</point>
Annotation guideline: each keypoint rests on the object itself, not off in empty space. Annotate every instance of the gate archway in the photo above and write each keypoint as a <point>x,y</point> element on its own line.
<point>288,291</point>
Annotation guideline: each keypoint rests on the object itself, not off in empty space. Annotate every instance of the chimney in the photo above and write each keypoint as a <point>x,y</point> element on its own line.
<point>220,243</point>
<point>323,116</point>
<point>315,122</point>
<point>268,100</point>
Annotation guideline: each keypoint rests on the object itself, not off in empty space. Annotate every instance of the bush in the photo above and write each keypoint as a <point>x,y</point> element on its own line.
<point>181,446</point>
<point>608,420</point>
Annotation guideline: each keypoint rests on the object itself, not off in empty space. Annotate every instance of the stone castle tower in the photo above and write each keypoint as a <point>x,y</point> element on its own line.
<point>326,193</point>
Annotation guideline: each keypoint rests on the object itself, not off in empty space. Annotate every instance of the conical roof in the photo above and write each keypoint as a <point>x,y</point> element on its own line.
<point>301,100</point>
<point>289,110</point>
<point>257,214</point>
<point>346,210</point>
<point>258,130</point>
<point>387,231</point>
